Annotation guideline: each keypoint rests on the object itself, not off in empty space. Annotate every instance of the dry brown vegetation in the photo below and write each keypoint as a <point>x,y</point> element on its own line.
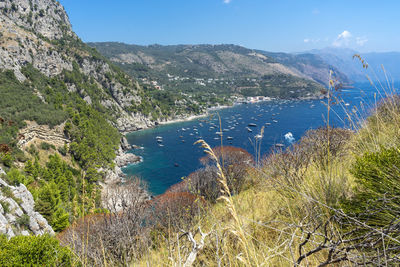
<point>331,199</point>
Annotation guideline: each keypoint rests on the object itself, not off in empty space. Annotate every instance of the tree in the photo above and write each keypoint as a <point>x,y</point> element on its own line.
<point>235,163</point>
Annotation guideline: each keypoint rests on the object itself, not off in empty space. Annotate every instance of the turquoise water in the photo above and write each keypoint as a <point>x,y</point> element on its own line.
<point>167,161</point>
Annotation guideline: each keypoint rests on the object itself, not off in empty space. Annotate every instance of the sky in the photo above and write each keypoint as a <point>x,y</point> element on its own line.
<point>271,25</point>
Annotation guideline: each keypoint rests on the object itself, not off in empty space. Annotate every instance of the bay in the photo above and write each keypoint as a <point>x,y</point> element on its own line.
<point>169,153</point>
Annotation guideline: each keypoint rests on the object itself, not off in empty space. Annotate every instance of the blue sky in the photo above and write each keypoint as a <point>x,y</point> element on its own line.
<point>272,25</point>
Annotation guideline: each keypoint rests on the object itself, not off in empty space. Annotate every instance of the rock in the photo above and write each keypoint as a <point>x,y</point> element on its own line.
<point>88,99</point>
<point>25,233</point>
<point>45,17</point>
<point>43,133</point>
<point>125,159</point>
<point>25,206</point>
<point>124,144</point>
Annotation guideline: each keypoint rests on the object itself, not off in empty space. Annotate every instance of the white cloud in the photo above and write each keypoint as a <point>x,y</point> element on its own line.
<point>227,1</point>
<point>361,41</point>
<point>306,40</point>
<point>342,39</point>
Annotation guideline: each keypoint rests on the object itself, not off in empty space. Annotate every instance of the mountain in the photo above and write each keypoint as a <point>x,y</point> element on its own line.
<point>63,110</point>
<point>38,35</point>
<point>342,59</point>
<point>237,69</point>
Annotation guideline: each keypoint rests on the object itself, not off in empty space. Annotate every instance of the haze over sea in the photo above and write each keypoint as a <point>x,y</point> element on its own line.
<point>166,162</point>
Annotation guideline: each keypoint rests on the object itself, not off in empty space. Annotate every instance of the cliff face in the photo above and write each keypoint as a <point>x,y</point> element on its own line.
<point>44,17</point>
<point>17,214</point>
<point>38,32</point>
<point>55,68</point>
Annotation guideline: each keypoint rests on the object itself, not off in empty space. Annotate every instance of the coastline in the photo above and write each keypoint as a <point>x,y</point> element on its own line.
<point>193,117</point>
<point>127,147</point>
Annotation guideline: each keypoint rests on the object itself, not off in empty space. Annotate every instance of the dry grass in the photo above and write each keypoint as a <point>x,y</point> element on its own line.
<point>291,214</point>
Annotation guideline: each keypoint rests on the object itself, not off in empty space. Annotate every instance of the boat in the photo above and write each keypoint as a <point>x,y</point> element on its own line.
<point>275,121</point>
<point>252,125</point>
<point>249,130</point>
<point>160,145</point>
<point>176,164</point>
<point>229,138</point>
<point>159,140</point>
<point>279,145</point>
<point>219,133</point>
<point>267,123</point>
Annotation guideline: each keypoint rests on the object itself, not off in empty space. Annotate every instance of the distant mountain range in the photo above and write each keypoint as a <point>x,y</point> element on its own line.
<point>342,59</point>
<point>158,62</point>
<point>246,71</point>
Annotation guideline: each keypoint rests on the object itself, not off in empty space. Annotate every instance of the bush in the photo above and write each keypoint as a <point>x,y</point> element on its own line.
<point>314,148</point>
<point>24,220</point>
<point>377,177</point>
<point>14,177</point>
<point>46,146</point>
<point>33,251</point>
<point>6,206</point>
<point>113,239</point>
<point>175,210</point>
<point>7,159</point>
<point>7,192</point>
<point>63,150</point>
<point>204,182</point>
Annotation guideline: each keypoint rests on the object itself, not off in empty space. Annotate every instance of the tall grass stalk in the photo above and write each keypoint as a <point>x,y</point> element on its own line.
<point>236,228</point>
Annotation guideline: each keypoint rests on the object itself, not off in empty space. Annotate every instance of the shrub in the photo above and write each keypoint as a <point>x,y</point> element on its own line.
<point>63,150</point>
<point>15,177</point>
<point>112,239</point>
<point>24,220</point>
<point>235,163</point>
<point>46,146</point>
<point>175,210</point>
<point>377,177</point>
<point>316,148</point>
<point>5,205</point>
<point>7,191</point>
<point>7,159</point>
<point>33,251</point>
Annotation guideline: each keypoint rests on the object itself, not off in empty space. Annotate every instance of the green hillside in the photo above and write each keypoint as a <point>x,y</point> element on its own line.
<point>221,69</point>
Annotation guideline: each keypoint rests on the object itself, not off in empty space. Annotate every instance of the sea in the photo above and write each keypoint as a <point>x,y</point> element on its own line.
<point>169,153</point>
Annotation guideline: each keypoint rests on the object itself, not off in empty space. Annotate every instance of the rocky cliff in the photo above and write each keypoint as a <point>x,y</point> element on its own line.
<point>38,32</point>
<point>17,214</point>
<point>62,81</point>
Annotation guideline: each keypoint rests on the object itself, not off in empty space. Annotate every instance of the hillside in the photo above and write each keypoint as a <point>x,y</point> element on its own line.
<point>331,199</point>
<point>221,69</point>
<point>342,59</point>
<point>62,111</point>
